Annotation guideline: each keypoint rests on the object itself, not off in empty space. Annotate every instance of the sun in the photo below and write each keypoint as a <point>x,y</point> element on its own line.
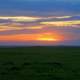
<point>47,37</point>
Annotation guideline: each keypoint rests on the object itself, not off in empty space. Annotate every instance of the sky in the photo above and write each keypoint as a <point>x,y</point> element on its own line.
<point>39,22</point>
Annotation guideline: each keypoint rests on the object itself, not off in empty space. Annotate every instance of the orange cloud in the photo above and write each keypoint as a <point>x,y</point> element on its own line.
<point>40,25</point>
<point>49,37</point>
<point>11,27</point>
<point>32,37</point>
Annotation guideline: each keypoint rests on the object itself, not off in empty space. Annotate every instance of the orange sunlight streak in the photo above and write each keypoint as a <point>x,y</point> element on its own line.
<point>49,37</point>
<point>32,37</point>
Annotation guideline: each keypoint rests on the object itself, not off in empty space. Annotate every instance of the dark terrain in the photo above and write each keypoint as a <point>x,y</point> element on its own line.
<point>40,63</point>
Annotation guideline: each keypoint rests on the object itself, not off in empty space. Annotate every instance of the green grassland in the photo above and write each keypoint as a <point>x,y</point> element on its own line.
<point>40,63</point>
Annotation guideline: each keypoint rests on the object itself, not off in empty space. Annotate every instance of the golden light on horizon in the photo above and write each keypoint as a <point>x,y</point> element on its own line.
<point>49,37</point>
<point>32,37</point>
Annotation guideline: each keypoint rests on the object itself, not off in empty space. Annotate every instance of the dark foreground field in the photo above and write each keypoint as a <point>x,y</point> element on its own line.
<point>40,63</point>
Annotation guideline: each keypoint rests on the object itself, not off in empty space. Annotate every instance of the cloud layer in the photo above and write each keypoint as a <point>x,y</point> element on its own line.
<point>56,29</point>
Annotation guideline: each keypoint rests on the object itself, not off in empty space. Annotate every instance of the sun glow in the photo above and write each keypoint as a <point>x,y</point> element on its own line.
<point>32,37</point>
<point>48,37</point>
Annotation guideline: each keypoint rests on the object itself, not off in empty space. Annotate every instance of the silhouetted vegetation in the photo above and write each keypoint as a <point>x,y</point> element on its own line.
<point>40,63</point>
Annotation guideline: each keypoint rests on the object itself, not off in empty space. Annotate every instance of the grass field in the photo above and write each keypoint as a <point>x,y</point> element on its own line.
<point>40,63</point>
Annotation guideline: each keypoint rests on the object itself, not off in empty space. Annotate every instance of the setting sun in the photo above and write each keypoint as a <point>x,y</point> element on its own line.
<point>33,37</point>
<point>48,37</point>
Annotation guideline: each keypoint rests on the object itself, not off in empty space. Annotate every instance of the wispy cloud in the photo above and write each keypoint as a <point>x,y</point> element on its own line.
<point>50,28</point>
<point>27,22</point>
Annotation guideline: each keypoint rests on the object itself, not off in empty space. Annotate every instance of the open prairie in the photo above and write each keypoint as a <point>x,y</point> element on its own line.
<point>36,63</point>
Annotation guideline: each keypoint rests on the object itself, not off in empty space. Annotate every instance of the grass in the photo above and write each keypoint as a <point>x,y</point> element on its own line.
<point>40,63</point>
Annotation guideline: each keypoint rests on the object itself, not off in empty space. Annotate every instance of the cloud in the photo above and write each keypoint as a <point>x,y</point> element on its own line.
<point>37,28</point>
<point>45,36</point>
<point>20,18</point>
<point>36,23</point>
<point>74,23</point>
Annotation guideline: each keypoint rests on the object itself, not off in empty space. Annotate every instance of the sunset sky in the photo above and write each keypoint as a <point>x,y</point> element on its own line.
<point>39,22</point>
